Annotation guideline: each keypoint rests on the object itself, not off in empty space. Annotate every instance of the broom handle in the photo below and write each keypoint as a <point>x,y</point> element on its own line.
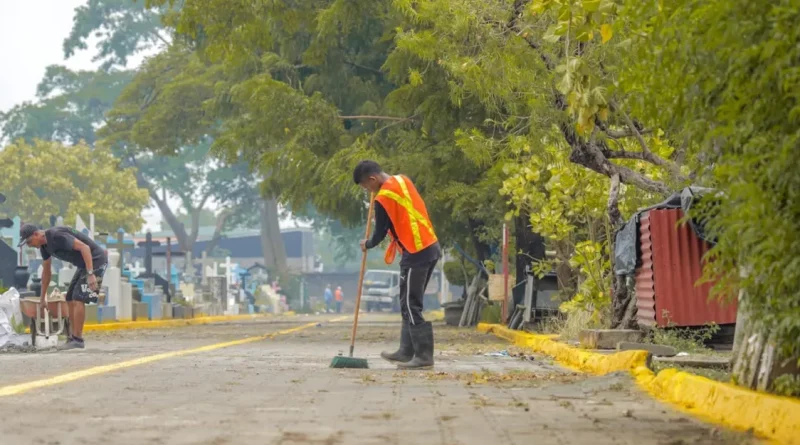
<point>361,276</point>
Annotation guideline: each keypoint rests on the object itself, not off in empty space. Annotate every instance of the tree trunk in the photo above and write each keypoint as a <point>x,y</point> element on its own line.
<point>271,239</point>
<point>222,217</point>
<point>623,301</point>
<point>530,247</point>
<point>567,279</point>
<point>483,251</point>
<point>757,362</point>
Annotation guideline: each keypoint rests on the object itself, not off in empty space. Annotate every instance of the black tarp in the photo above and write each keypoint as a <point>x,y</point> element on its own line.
<point>627,251</point>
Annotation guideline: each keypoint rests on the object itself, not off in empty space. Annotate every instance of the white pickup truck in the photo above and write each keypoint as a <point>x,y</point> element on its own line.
<point>382,289</point>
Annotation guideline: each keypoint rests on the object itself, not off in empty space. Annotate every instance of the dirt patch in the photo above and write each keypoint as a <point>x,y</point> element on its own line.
<point>513,378</point>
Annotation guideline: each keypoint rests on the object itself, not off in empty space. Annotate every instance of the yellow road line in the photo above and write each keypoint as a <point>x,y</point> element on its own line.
<point>72,376</point>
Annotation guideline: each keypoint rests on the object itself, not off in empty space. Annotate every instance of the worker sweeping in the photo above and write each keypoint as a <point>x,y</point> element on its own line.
<point>400,212</point>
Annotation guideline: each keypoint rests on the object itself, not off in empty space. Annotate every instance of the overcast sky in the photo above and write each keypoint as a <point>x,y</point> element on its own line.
<point>31,36</point>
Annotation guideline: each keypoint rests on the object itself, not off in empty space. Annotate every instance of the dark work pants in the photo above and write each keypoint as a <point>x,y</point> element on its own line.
<point>413,281</point>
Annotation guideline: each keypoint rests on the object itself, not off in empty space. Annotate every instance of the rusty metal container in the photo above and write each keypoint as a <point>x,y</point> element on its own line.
<point>667,289</point>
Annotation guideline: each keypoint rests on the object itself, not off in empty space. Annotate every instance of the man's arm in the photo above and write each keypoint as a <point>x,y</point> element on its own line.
<point>47,273</point>
<point>382,222</point>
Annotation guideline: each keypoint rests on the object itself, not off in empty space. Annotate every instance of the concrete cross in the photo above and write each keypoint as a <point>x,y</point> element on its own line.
<point>204,269</point>
<point>120,246</point>
<point>148,245</point>
<point>229,270</point>
<point>137,269</point>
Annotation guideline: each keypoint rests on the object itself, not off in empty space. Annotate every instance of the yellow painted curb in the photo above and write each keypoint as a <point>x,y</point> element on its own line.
<point>769,416</point>
<point>170,323</point>
<point>435,315</point>
<point>568,356</point>
<point>176,322</point>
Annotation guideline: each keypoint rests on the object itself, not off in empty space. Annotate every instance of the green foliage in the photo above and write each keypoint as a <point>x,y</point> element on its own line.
<point>69,106</point>
<point>683,339</point>
<point>491,313</point>
<point>122,28</point>
<point>48,178</point>
<point>727,83</point>
<point>788,385</point>
<point>459,273</point>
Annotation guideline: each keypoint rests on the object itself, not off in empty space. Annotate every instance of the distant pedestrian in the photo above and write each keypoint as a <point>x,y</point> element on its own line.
<point>339,299</point>
<point>328,299</point>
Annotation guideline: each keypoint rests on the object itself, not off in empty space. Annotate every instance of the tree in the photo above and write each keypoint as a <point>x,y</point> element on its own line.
<point>123,28</point>
<point>309,100</point>
<point>69,106</point>
<point>162,124</point>
<point>45,178</point>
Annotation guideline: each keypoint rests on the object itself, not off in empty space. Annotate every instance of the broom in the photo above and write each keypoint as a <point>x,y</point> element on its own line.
<point>341,361</point>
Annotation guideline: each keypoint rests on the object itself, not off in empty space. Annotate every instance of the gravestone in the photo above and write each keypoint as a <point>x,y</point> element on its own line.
<point>168,254</point>
<point>188,291</point>
<point>136,269</point>
<point>148,245</point>
<point>125,308</point>
<point>230,273</point>
<point>204,269</point>
<point>120,245</point>
<point>154,302</point>
<point>219,291</point>
<point>148,285</point>
<point>112,280</point>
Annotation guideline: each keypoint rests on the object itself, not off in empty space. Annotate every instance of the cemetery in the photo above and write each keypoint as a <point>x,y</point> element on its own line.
<point>160,286</point>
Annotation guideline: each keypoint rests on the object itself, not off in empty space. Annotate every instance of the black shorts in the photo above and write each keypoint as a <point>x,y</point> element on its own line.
<point>79,286</point>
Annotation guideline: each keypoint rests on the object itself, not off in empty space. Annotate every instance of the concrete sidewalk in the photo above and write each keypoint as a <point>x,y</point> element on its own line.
<point>280,390</point>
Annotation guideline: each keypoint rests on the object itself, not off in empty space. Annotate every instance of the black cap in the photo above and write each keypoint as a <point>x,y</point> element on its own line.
<point>25,232</point>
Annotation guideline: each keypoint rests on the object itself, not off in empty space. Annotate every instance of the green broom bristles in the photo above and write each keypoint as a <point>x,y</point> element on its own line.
<point>341,361</point>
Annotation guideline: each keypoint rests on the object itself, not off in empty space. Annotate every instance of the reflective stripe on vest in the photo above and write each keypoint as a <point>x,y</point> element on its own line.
<point>415,217</point>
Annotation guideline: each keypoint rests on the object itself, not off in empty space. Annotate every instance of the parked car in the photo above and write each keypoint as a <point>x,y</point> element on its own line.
<point>382,291</point>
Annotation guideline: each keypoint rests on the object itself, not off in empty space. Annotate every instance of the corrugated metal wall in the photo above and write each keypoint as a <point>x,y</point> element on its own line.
<point>645,284</point>
<point>666,283</point>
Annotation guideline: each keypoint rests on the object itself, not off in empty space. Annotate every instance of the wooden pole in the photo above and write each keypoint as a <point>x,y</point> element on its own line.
<point>169,260</point>
<point>505,272</point>
<point>361,276</point>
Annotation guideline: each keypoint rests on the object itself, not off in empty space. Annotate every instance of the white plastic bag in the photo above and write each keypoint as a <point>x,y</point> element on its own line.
<point>10,314</point>
<point>9,303</point>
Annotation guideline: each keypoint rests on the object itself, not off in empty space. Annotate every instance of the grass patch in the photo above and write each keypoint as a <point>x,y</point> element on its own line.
<point>718,374</point>
<point>569,325</point>
<point>683,339</point>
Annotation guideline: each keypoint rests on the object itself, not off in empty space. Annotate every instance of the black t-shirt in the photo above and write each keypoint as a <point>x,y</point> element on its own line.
<point>383,224</point>
<point>60,242</point>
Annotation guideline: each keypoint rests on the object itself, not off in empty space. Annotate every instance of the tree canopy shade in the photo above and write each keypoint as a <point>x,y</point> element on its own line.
<point>46,178</point>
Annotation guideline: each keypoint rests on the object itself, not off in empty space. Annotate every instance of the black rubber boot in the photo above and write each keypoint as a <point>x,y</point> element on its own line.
<point>422,338</point>
<point>406,351</point>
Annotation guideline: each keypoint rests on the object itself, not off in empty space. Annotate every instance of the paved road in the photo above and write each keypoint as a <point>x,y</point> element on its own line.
<point>278,389</point>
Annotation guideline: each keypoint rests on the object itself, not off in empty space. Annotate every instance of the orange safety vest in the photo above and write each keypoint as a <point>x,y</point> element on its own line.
<point>409,216</point>
<point>339,295</point>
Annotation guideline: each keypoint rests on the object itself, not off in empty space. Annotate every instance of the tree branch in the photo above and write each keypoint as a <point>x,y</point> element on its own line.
<point>378,118</point>
<point>220,224</point>
<point>365,68</point>
<point>514,25</point>
<point>614,215</point>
